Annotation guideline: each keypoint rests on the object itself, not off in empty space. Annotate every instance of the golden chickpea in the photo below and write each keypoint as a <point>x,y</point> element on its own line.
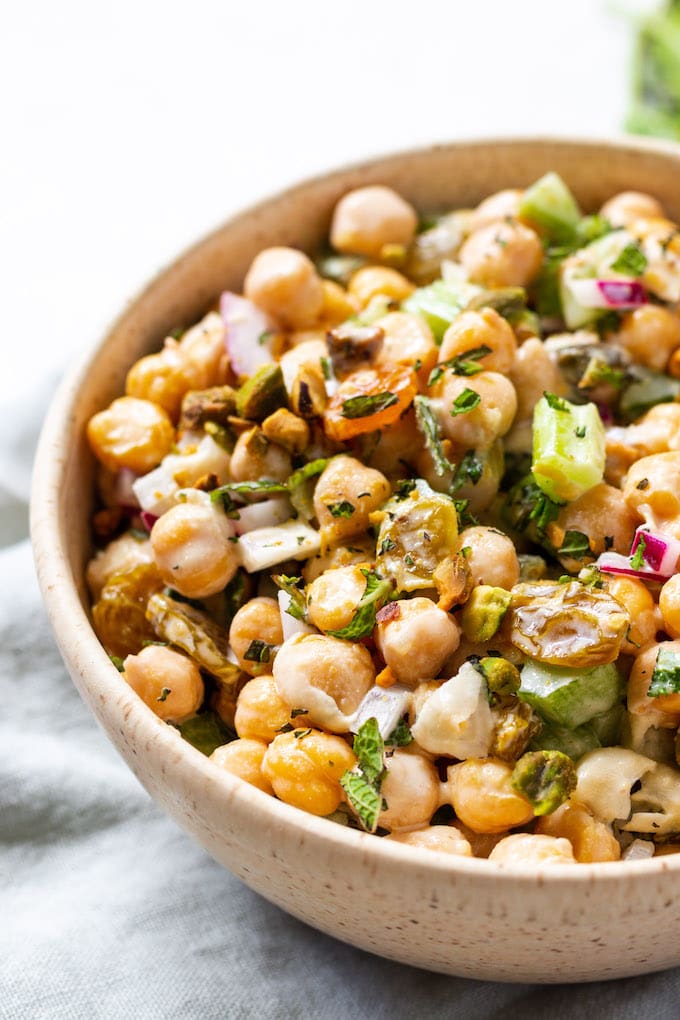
<point>192,549</point>
<point>483,797</point>
<point>338,305</point>
<point>505,254</point>
<point>325,676</point>
<point>489,420</point>
<point>533,851</point>
<point>480,494</point>
<point>600,514</point>
<point>362,550</point>
<point>500,206</point>
<point>628,206</point>
<point>255,457</point>
<point>366,219</point>
<point>669,604</point>
<point>261,712</point>
<point>408,340</point>
<point>160,378</point>
<point>650,334</point>
<point>379,281</point>
<point>258,620</point>
<point>411,790</point>
<point>644,616</point>
<point>490,556</point>
<point>416,639</point>
<point>591,840</point>
<point>168,682</point>
<point>640,678</point>
<point>131,433</point>
<point>203,352</point>
<point>347,481</point>
<point>483,328</point>
<point>333,597</point>
<point>652,486</point>
<point>533,371</point>
<point>305,767</point>
<point>119,556</point>
<point>444,838</point>
<point>308,353</point>
<point>244,758</point>
<point>285,284</point>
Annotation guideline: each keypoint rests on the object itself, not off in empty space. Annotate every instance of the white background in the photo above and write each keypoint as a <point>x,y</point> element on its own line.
<point>131,128</point>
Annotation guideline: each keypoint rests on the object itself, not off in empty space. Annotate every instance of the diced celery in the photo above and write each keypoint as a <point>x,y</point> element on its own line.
<point>575,743</point>
<point>551,206</point>
<point>647,390</point>
<point>438,304</point>
<point>570,697</point>
<point>607,727</point>
<point>568,448</point>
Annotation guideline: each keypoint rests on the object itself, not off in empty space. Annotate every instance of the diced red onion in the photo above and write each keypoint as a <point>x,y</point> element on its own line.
<point>605,414</point>
<point>247,333</point>
<point>148,519</point>
<point>266,514</point>
<point>615,563</point>
<point>593,293</point>
<point>660,553</point>
<point>386,704</point>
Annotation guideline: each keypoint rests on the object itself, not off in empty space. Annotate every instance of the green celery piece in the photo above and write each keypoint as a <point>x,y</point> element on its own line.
<point>566,461</point>
<point>570,697</point>
<point>607,727</point>
<point>575,743</point>
<point>550,205</point>
<point>205,731</point>
<point>438,304</point>
<point>648,389</point>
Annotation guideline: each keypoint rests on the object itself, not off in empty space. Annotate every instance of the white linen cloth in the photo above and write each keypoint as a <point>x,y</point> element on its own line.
<point>127,130</point>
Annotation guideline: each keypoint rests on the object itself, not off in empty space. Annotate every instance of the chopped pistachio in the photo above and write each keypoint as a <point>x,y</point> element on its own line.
<point>262,393</point>
<point>201,406</point>
<point>286,429</point>
<point>484,611</point>
<point>545,778</point>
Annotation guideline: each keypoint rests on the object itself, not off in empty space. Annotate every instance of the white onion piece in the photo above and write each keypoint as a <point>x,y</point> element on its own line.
<point>266,514</point>
<point>639,850</point>
<point>248,333</point>
<point>594,293</point>
<point>456,719</point>
<point>386,704</point>
<point>157,491</point>
<point>289,624</point>
<point>265,547</point>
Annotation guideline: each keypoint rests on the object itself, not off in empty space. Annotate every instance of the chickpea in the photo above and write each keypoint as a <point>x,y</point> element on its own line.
<point>131,433</point>
<point>325,676</point>
<point>500,206</point>
<point>366,219</point>
<point>370,282</point>
<point>408,340</point>
<point>347,480</point>
<point>160,378</point>
<point>244,758</point>
<point>640,678</point>
<point>503,254</point>
<point>591,840</point>
<point>481,493</point>
<point>650,334</point>
<point>444,838</point>
<point>533,851</point>
<point>261,712</point>
<point>397,443</point>
<point>205,358</point>
<point>644,615</point>
<point>491,418</point>
<point>192,549</point>
<point>628,206</point>
<point>485,328</point>
<point>309,352</point>
<point>305,769</point>
<point>285,284</point>
<point>532,372</point>
<point>652,486</point>
<point>333,597</point>
<point>483,797</point>
<point>258,620</point>
<point>338,305</point>
<point>602,515</point>
<point>491,557</point>
<point>119,556</point>
<point>416,639</point>
<point>255,457</point>
<point>169,683</point>
<point>669,604</point>
<point>411,790</point>
<point>362,550</point>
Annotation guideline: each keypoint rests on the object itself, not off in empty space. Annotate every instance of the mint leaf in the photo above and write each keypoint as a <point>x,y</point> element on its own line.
<point>297,607</point>
<point>342,509</point>
<point>465,401</point>
<point>258,651</point>
<point>466,363</point>
<point>556,403</point>
<point>369,748</point>
<point>400,736</point>
<point>376,592</point>
<point>428,423</point>
<point>574,544</point>
<point>469,470</point>
<point>364,407</point>
<point>364,799</point>
<point>631,261</point>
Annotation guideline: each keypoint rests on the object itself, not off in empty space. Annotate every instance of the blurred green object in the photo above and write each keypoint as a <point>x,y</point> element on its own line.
<point>655,107</point>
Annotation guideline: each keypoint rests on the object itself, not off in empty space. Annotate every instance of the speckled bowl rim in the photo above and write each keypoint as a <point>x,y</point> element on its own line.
<point>84,655</point>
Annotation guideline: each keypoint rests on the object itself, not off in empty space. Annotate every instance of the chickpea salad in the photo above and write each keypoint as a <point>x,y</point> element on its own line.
<point>393,535</point>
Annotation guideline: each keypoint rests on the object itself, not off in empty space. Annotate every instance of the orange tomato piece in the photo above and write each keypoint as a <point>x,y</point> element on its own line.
<point>368,400</point>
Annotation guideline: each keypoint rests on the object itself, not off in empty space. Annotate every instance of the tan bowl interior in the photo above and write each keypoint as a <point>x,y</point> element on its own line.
<point>466,917</point>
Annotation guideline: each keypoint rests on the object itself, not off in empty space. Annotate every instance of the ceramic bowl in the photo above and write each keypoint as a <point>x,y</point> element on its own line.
<point>455,915</point>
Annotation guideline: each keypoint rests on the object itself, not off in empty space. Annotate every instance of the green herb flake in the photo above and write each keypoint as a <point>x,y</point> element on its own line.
<point>557,403</point>
<point>666,675</point>
<point>580,432</point>
<point>299,734</point>
<point>631,261</point>
<point>400,736</point>
<point>643,484</point>
<point>258,651</point>
<point>376,593</point>
<point>428,423</point>
<point>386,546</point>
<point>469,470</point>
<point>164,693</point>
<point>365,406</point>
<point>295,712</point>
<point>574,544</point>
<point>465,402</point>
<point>117,662</point>
<point>465,364</point>
<point>342,509</point>
<point>637,560</point>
